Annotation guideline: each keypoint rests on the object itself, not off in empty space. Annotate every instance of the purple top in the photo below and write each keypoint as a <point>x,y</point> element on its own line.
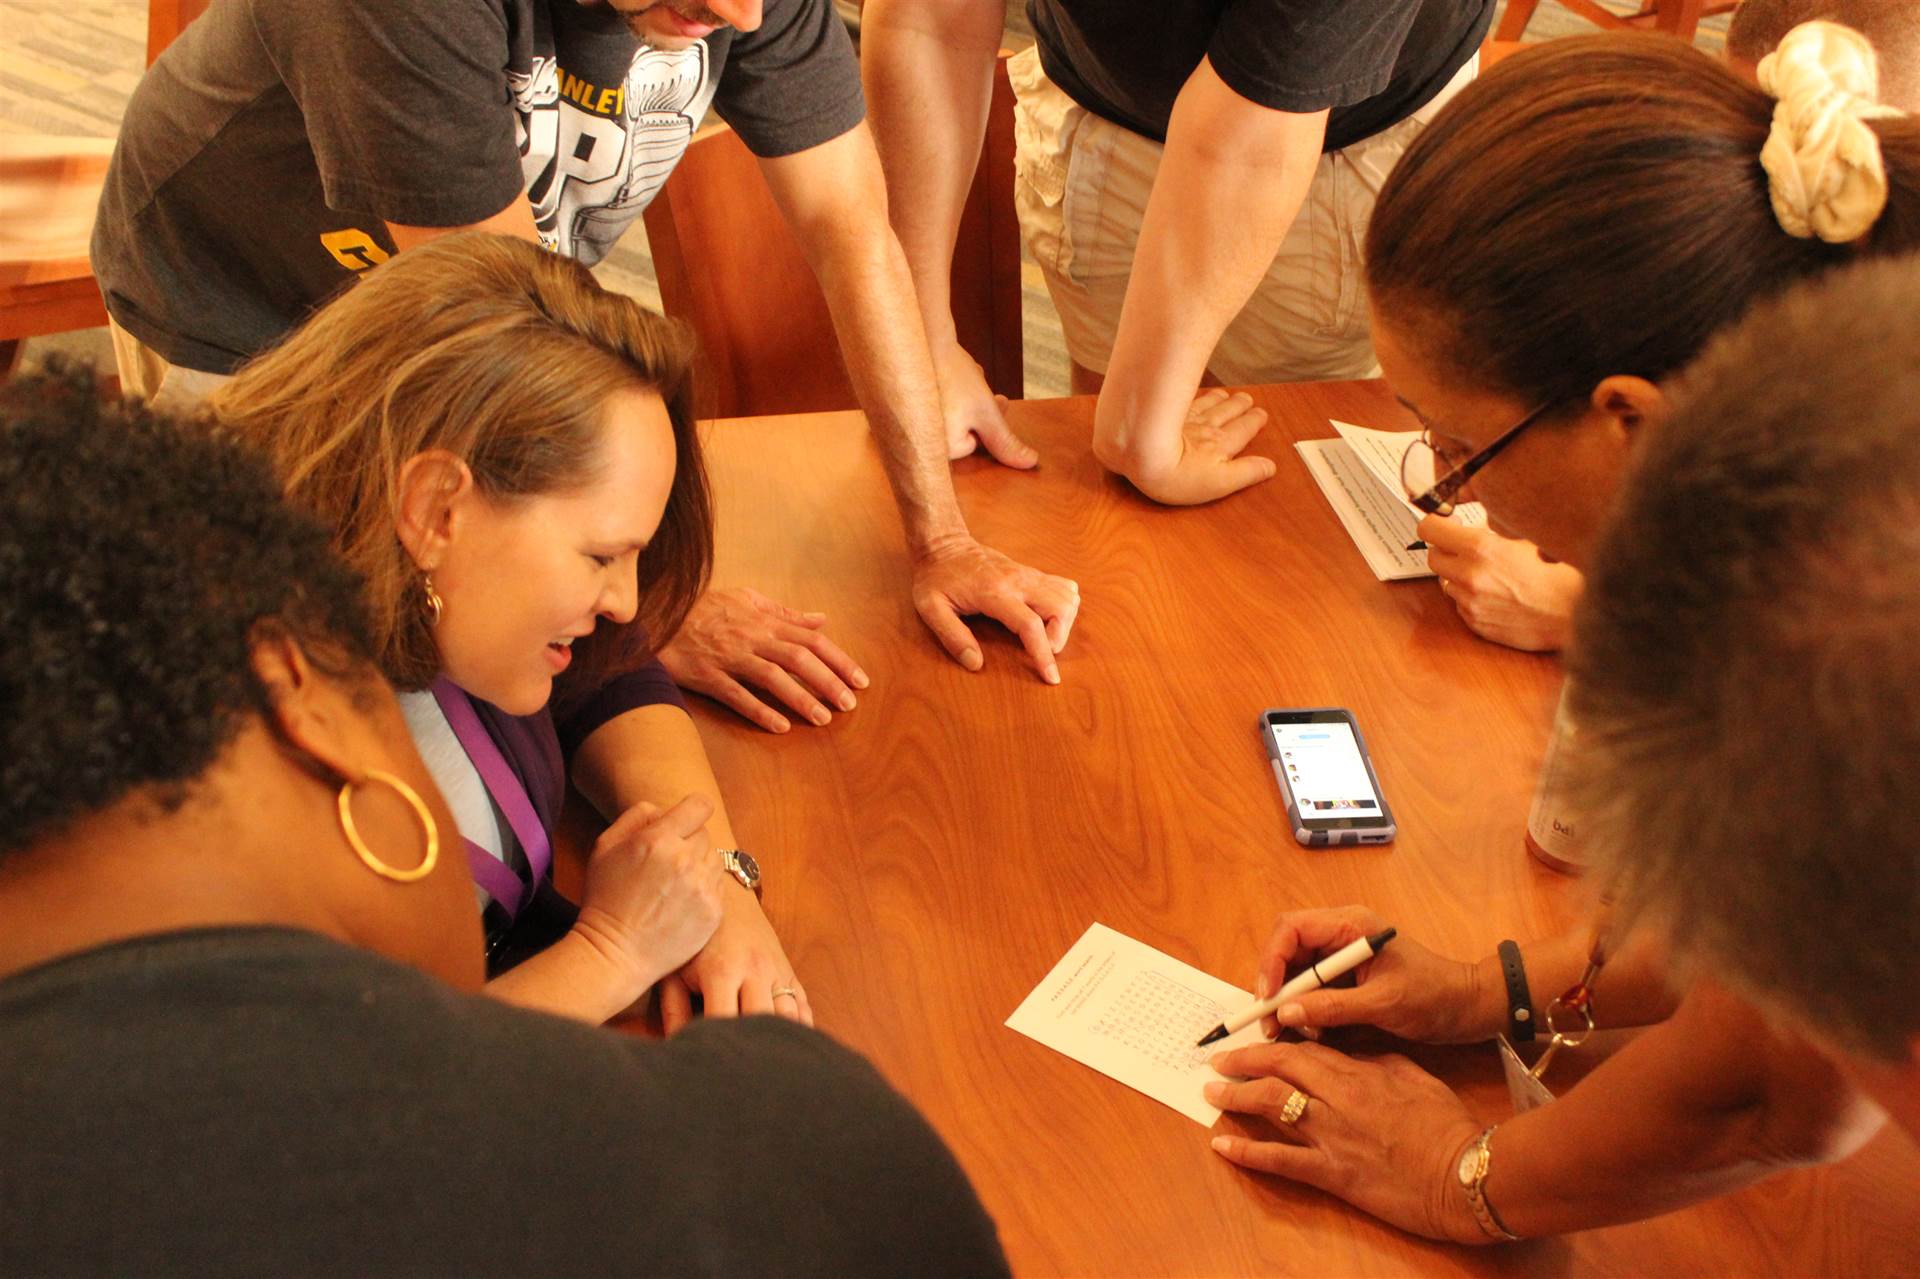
<point>537,750</point>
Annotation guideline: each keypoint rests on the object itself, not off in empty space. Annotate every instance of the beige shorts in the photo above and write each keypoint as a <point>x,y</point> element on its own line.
<point>146,375</point>
<point>1081,185</point>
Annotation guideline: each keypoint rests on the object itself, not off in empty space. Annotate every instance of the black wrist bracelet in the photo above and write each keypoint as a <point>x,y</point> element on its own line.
<point>1519,998</point>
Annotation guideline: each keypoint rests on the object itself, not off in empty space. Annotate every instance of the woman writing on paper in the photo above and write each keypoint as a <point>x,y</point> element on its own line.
<point>1561,242</point>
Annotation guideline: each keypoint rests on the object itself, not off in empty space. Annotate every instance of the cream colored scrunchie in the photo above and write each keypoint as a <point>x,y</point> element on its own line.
<point>1823,163</point>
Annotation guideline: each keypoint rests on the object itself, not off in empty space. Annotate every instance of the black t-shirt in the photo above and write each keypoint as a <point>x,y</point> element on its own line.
<point>1373,62</point>
<point>263,154</point>
<point>266,1102</point>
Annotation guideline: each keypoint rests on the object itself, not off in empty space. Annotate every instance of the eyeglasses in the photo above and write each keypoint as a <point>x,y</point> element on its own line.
<point>1421,463</point>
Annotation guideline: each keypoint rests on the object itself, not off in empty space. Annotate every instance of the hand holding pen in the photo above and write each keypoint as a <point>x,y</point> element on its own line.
<point>1408,991</point>
<point>1316,974</point>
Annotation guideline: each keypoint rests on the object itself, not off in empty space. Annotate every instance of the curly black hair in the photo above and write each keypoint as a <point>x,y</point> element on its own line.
<point>139,553</point>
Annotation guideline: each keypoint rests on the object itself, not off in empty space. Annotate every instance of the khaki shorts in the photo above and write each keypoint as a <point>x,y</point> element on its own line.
<point>1081,185</point>
<point>146,375</point>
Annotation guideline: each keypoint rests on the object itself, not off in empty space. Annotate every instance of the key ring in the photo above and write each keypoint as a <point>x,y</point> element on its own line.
<point>1575,1000</point>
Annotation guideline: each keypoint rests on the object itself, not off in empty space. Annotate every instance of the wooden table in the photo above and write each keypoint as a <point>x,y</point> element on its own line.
<point>931,855</point>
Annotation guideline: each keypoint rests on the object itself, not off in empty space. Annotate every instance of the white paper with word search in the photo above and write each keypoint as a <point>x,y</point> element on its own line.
<point>1134,1015</point>
<point>1360,474</point>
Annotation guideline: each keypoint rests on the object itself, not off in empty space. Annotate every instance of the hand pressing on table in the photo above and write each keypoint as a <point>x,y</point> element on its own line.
<point>1405,990</point>
<point>1382,1134</point>
<point>740,971</point>
<point>975,416</point>
<point>736,638</point>
<point>1205,461</point>
<point>1502,588</point>
<point>958,576</point>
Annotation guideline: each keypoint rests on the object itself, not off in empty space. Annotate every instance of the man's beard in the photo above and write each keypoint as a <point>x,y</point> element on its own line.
<point>691,10</point>
<point>696,13</point>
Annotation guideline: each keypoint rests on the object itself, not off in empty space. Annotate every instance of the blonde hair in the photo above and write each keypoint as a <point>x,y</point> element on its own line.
<point>504,355</point>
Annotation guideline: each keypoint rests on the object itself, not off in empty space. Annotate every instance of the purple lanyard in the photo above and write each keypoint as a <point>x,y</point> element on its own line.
<point>504,785</point>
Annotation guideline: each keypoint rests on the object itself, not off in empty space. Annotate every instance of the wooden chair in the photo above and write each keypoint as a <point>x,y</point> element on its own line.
<point>728,265</point>
<point>1675,17</point>
<point>1494,52</point>
<point>49,189</point>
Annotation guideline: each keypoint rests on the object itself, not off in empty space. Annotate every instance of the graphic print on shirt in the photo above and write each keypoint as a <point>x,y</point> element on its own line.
<point>594,155</point>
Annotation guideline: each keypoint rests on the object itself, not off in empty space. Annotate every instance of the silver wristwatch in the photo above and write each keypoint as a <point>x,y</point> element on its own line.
<point>741,865</point>
<point>1474,1162</point>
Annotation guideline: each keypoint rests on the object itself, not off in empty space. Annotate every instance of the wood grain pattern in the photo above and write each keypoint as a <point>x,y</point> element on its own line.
<point>49,189</point>
<point>933,853</point>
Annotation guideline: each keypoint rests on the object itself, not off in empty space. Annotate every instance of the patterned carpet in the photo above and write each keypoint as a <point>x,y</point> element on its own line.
<point>67,67</point>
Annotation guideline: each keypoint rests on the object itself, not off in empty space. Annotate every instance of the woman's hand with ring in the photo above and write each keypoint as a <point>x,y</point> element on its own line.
<point>738,972</point>
<point>1384,1135</point>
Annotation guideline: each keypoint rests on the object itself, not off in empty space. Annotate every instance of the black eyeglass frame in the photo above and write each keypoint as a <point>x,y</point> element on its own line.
<point>1438,499</point>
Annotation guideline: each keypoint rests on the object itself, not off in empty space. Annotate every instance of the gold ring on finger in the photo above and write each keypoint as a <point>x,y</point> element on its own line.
<point>1296,1106</point>
<point>787,992</point>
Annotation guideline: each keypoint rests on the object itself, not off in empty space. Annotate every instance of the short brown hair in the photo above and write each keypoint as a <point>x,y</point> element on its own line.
<point>1595,206</point>
<point>1746,667</point>
<point>1892,27</point>
<point>504,355</point>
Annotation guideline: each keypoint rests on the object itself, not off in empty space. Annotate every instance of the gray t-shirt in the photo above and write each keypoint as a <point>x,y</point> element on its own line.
<point>258,1101</point>
<point>263,154</point>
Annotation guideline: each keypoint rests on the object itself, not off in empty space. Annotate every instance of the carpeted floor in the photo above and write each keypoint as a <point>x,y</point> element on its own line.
<point>67,67</point>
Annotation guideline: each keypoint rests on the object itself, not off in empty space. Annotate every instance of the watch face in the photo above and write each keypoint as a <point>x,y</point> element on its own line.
<point>1469,1164</point>
<point>749,868</point>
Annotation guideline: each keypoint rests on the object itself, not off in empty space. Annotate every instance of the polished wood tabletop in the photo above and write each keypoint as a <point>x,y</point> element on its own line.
<point>930,855</point>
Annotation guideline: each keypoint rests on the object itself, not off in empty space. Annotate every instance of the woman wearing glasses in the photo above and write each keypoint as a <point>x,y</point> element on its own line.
<point>1557,246</point>
<point>1582,254</point>
<point>238,1024</point>
<point>507,453</point>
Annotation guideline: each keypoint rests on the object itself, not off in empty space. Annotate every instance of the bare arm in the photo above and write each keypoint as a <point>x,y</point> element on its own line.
<point>1709,1101</point>
<point>834,197</point>
<point>1703,1104</point>
<point>653,755</point>
<point>1410,991</point>
<point>928,68</point>
<point>1232,178</point>
<point>652,900</point>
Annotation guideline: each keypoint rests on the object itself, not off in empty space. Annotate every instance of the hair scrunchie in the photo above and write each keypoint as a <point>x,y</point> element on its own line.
<point>1824,168</point>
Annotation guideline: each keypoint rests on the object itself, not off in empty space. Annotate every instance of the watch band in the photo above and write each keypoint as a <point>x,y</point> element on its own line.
<point>1520,1016</point>
<point>1474,1181</point>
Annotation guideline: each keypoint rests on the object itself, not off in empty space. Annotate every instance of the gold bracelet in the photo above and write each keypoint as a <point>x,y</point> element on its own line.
<point>1472,1172</point>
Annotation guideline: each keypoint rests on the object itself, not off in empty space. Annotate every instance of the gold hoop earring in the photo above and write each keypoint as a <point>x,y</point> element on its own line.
<point>435,605</point>
<point>359,846</point>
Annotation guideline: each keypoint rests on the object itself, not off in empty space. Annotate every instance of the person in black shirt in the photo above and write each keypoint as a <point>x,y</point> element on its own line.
<point>1194,180</point>
<point>237,1019</point>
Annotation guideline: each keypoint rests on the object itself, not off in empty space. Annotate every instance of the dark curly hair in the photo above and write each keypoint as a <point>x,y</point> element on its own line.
<point>139,556</point>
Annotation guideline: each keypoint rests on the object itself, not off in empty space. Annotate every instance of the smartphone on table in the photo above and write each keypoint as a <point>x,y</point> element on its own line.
<point>1321,763</point>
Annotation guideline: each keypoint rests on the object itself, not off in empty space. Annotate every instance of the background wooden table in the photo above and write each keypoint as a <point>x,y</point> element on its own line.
<point>933,853</point>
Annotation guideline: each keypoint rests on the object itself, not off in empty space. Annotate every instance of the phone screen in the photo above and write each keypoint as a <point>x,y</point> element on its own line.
<point>1325,771</point>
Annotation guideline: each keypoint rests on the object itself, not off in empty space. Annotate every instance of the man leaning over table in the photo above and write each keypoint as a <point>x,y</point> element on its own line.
<point>277,149</point>
<point>1194,180</point>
